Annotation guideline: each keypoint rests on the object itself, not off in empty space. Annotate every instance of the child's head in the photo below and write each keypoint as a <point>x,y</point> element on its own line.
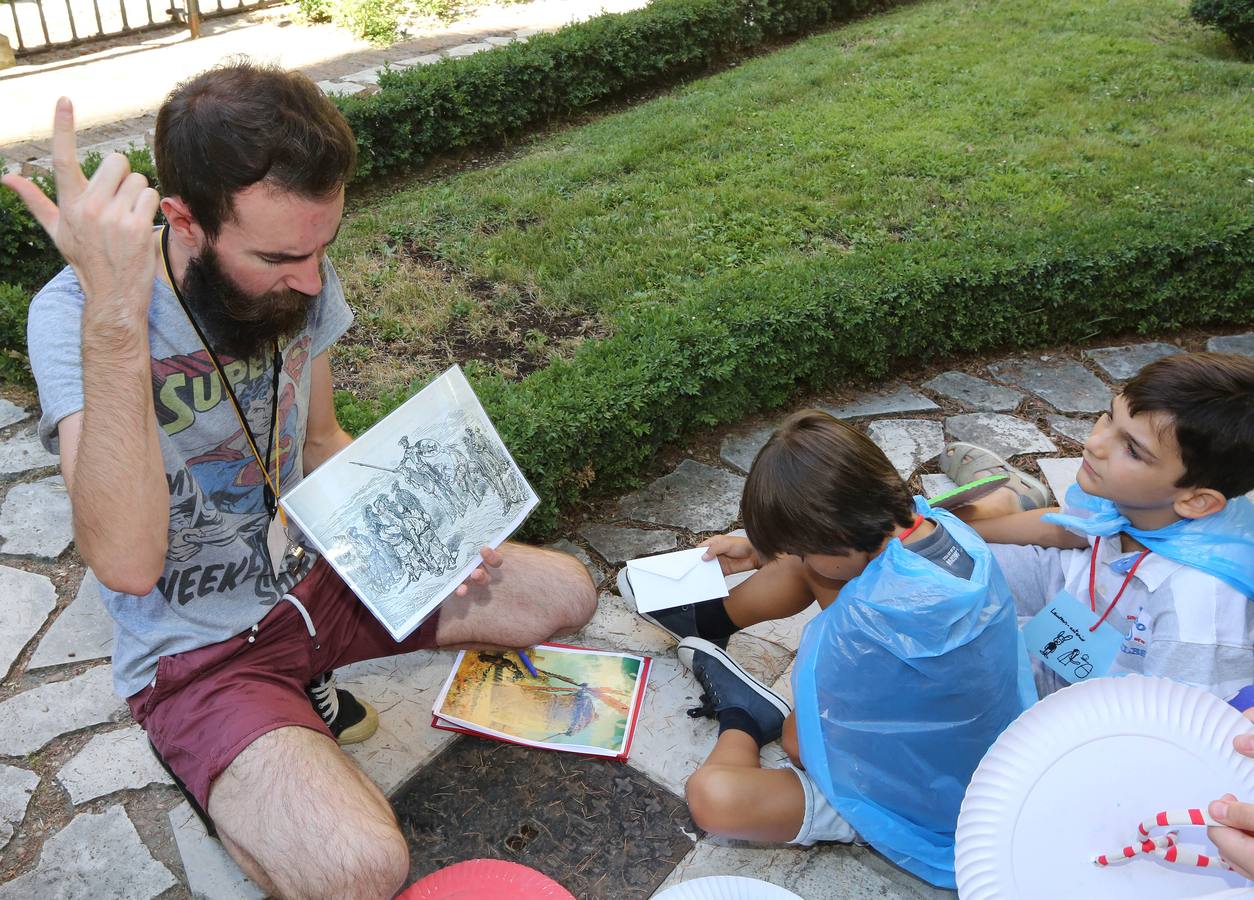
<point>824,491</point>
<point>1178,440</point>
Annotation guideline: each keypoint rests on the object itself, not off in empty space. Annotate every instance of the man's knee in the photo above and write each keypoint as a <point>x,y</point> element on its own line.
<point>573,601</point>
<point>379,869</point>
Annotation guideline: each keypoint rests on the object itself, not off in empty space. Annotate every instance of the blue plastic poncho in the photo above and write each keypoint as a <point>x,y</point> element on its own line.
<point>1221,544</point>
<point>901,685</point>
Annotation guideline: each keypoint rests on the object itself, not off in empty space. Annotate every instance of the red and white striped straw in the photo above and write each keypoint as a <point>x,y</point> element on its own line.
<point>1165,847</point>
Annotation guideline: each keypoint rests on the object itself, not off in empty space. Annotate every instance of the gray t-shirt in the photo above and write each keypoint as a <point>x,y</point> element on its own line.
<point>218,579</point>
<point>941,548</point>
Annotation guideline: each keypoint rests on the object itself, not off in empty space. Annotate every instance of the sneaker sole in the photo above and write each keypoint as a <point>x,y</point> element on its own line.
<point>688,646</point>
<point>362,730</point>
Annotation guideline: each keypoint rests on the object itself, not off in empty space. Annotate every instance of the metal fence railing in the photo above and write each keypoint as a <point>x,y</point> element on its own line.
<point>35,25</point>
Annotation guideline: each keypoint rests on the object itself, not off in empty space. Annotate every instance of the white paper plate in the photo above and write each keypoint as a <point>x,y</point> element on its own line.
<point>726,887</point>
<point>1072,777</point>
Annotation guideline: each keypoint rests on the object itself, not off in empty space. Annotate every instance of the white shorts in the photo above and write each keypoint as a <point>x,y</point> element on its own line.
<point>822,822</point>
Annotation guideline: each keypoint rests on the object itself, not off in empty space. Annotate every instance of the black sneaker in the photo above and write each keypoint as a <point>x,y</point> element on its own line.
<point>351,720</point>
<point>678,621</point>
<point>727,686</point>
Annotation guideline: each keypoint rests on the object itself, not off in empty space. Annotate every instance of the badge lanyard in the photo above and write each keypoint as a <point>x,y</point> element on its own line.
<point>1093,583</point>
<point>271,488</point>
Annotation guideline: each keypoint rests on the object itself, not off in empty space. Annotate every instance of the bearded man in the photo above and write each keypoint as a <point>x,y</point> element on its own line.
<point>187,367</point>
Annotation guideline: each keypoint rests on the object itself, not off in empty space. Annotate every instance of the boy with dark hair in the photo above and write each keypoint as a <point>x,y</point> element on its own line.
<point>1155,536</point>
<point>901,683</point>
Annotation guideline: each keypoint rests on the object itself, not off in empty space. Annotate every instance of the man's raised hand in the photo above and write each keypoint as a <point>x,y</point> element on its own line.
<point>102,226</point>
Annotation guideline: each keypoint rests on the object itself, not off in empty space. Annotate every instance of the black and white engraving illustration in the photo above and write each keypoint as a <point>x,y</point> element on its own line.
<point>403,512</point>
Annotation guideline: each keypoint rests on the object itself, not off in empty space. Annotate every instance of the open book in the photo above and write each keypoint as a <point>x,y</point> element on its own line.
<point>403,511</point>
<point>579,700</point>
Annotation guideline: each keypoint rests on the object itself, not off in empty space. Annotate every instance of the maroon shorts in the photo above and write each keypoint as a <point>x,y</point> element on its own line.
<point>208,704</point>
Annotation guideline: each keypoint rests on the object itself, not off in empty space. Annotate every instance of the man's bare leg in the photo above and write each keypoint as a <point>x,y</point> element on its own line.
<point>534,595</point>
<point>304,822</point>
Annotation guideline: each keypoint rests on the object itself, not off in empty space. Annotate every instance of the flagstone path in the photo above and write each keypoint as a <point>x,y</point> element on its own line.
<point>84,809</point>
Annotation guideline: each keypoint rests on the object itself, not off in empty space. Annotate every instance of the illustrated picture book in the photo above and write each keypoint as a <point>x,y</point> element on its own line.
<point>402,512</point>
<point>579,700</point>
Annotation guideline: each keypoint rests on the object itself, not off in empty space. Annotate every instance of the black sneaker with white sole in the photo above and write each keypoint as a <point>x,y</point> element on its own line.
<point>730,689</point>
<point>677,621</point>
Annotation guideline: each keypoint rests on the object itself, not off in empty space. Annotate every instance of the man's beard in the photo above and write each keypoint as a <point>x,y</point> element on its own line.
<point>238,323</point>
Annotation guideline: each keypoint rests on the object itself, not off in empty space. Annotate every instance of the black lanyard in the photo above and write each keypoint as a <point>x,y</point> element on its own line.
<point>270,492</point>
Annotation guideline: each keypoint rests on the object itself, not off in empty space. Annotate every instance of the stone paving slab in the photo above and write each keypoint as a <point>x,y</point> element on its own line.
<point>11,413</point>
<point>694,496</point>
<point>1059,475</point>
<point>1122,362</point>
<point>617,544</point>
<point>1005,435</point>
<point>35,717</point>
<point>211,873</point>
<point>739,448</point>
<point>936,484</point>
<point>97,855</point>
<point>35,519</point>
<point>975,394</point>
<point>27,599</point>
<point>403,689</point>
<point>24,453</point>
<point>899,399</point>
<point>16,787</point>
<point>1062,383</point>
<point>670,744</point>
<point>1232,343</point>
<point>81,633</point>
<point>827,872</point>
<point>113,761</point>
<point>1077,430</point>
<point>594,570</point>
<point>908,443</point>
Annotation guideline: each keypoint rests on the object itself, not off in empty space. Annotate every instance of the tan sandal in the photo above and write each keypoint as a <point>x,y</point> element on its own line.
<point>964,463</point>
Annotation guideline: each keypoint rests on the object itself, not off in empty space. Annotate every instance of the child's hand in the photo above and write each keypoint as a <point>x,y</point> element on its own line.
<point>1236,842</point>
<point>735,553</point>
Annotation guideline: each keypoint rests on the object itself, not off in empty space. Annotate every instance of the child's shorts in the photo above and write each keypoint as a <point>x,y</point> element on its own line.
<point>822,822</point>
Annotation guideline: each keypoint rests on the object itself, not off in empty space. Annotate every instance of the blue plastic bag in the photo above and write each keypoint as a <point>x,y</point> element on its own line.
<point>901,685</point>
<point>1221,544</point>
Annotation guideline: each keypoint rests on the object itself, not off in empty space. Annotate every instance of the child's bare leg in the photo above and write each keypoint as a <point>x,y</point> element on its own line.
<point>733,796</point>
<point>776,591</point>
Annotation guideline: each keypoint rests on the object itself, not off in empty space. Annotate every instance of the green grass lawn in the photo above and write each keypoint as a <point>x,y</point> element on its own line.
<point>946,138</point>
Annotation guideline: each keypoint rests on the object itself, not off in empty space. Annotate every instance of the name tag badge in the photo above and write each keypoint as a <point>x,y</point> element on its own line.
<point>1059,637</point>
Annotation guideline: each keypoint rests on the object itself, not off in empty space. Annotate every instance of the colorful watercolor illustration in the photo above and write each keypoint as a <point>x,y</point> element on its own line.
<point>583,700</point>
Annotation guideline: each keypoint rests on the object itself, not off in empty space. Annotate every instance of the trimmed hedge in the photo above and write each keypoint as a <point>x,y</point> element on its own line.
<point>1234,18</point>
<point>741,345</point>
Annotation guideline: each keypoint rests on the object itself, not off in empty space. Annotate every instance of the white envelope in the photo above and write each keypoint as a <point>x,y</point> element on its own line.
<point>673,579</point>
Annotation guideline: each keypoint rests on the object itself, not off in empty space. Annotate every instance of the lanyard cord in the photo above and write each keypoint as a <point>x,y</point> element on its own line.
<point>1093,583</point>
<point>918,520</point>
<point>271,489</point>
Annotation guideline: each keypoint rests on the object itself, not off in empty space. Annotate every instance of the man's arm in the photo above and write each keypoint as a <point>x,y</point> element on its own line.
<point>110,453</point>
<point>323,435</point>
<point>1027,528</point>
